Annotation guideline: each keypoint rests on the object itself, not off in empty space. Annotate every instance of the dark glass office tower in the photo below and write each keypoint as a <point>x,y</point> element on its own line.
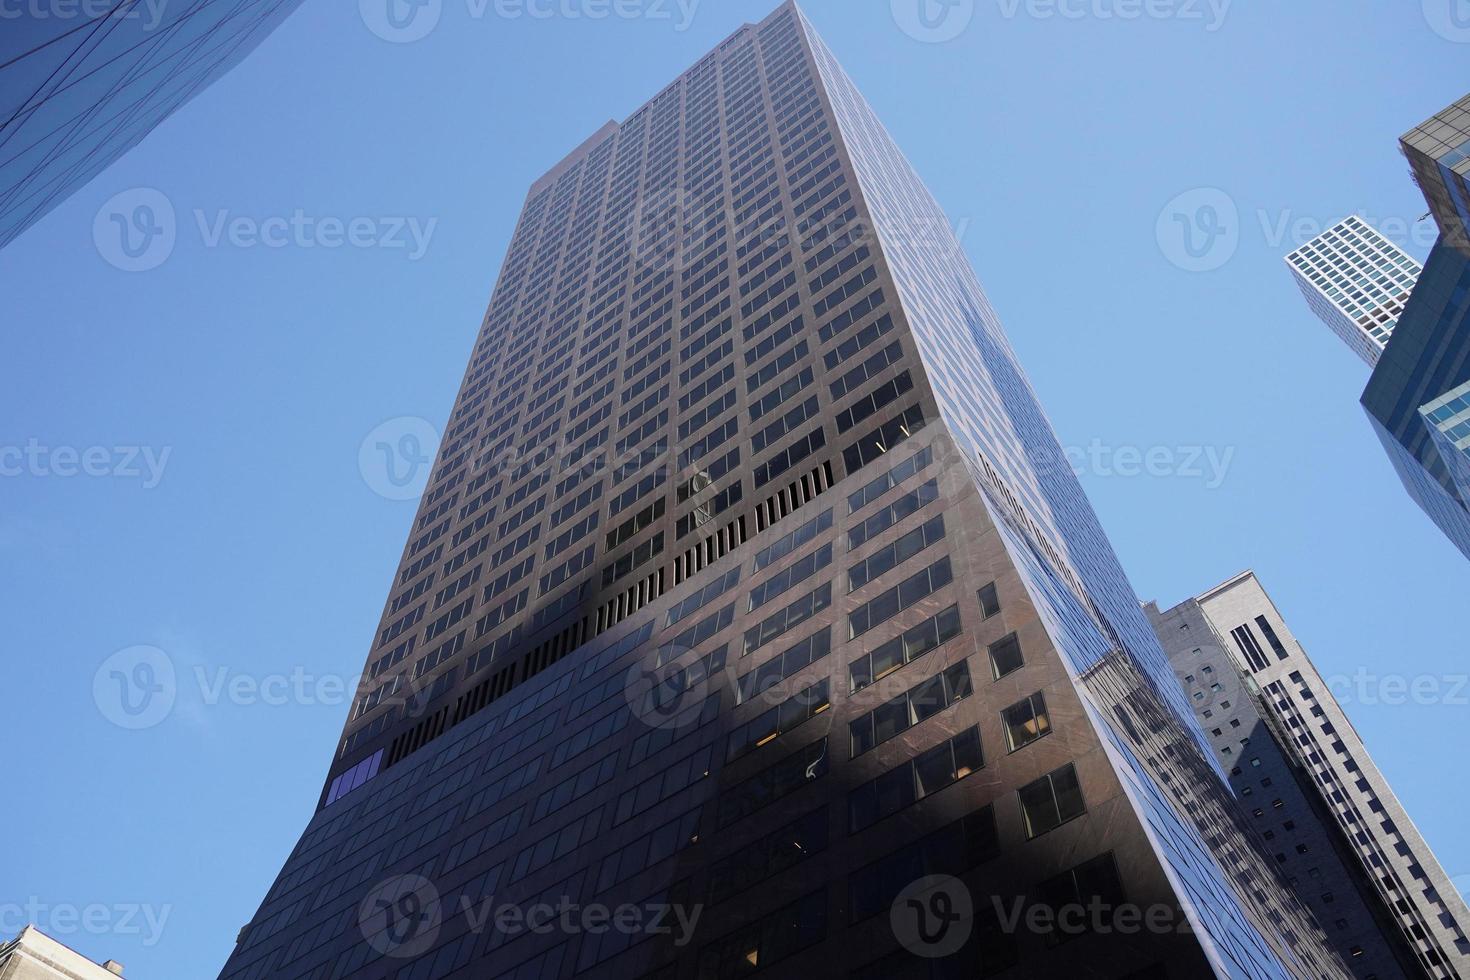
<point>82,83</point>
<point>1438,150</point>
<point>1427,358</point>
<point>752,582</point>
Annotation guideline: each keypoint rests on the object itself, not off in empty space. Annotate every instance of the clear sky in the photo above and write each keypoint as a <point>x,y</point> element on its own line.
<point>242,537</point>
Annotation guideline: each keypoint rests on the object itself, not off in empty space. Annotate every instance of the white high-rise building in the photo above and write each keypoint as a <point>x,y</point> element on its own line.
<point>1357,283</point>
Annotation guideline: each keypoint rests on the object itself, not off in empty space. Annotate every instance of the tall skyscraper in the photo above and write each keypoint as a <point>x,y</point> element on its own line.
<point>1427,360</point>
<point>751,581</point>
<point>1439,153</point>
<point>1357,282</point>
<point>82,83</point>
<point>1326,810</point>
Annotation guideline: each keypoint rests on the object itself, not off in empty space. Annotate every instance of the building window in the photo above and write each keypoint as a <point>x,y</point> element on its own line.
<point>927,773</point>
<point>963,844</point>
<point>989,601</point>
<point>905,648</point>
<point>895,554</point>
<point>766,941</point>
<point>898,715</point>
<point>911,590</point>
<point>772,854</point>
<point>1272,638</point>
<point>1026,721</point>
<point>778,720</point>
<point>1051,801</point>
<point>1092,886</point>
<point>1005,656</point>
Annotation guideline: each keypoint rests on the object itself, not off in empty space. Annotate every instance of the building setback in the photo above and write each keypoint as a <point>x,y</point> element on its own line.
<point>752,581</point>
<point>1326,811</point>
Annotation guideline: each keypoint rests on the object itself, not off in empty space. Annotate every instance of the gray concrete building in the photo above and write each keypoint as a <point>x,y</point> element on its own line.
<point>1324,809</point>
<point>33,955</point>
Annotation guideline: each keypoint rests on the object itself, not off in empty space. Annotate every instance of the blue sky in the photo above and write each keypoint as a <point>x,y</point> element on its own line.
<point>226,392</point>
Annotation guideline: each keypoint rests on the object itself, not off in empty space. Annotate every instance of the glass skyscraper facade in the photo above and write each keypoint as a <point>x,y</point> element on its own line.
<point>82,83</point>
<point>1357,282</point>
<point>1427,360</point>
<point>1448,420</point>
<point>1438,151</point>
<point>753,619</point>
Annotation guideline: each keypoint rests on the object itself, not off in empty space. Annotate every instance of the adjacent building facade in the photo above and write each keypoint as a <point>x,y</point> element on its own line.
<point>1357,282</point>
<point>1438,150</point>
<point>33,955</point>
<point>81,84</point>
<point>1448,420</point>
<point>1409,323</point>
<point>1325,810</point>
<point>1428,361</point>
<point>751,583</point>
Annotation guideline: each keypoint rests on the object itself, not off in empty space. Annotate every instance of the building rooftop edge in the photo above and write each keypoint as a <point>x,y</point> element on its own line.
<point>613,125</point>
<point>1230,582</point>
